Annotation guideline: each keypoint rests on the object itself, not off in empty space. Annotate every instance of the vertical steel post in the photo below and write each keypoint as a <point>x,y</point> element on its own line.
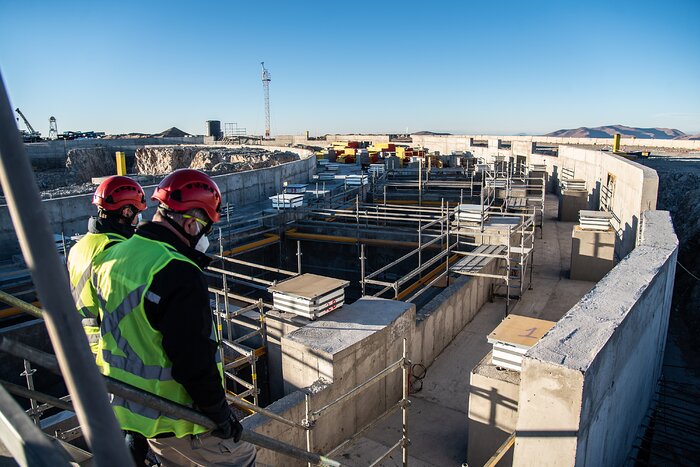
<point>224,288</point>
<point>447,256</point>
<point>420,181</point>
<point>86,386</point>
<point>299,256</point>
<point>309,425</point>
<point>29,374</point>
<point>362,267</point>
<point>420,246</point>
<point>404,407</point>
<point>254,375</point>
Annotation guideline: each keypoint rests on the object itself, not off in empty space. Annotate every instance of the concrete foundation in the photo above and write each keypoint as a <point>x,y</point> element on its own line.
<point>589,381</point>
<point>570,203</point>
<point>493,411</point>
<point>328,357</point>
<point>592,254</point>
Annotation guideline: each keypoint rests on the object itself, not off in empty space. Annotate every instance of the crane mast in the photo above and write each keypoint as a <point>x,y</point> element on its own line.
<point>266,90</point>
<point>33,135</point>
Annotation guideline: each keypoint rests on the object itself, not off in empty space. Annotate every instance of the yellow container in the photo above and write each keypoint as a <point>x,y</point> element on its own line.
<point>121,163</point>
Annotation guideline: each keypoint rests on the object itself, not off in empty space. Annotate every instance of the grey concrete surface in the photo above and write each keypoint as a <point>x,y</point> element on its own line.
<point>595,373</point>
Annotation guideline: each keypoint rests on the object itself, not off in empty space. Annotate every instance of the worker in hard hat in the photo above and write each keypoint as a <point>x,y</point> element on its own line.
<point>119,201</point>
<point>157,328</point>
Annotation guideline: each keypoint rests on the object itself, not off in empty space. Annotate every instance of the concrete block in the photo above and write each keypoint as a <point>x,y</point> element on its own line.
<point>493,411</point>
<point>570,203</point>
<point>592,254</point>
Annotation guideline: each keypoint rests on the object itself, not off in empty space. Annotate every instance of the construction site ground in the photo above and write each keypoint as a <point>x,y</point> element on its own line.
<point>438,416</point>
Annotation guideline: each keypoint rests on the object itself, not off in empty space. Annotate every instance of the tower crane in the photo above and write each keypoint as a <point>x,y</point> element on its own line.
<point>31,136</point>
<point>266,89</point>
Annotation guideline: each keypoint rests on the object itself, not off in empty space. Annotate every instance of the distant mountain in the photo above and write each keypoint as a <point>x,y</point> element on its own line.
<point>429,133</point>
<point>694,137</point>
<point>609,131</point>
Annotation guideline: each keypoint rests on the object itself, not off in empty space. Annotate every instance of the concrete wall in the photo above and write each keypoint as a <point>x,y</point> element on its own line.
<point>586,386</point>
<point>436,325</point>
<point>71,213</point>
<point>449,143</point>
<point>54,153</point>
<point>440,320</point>
<point>329,357</point>
<point>636,186</point>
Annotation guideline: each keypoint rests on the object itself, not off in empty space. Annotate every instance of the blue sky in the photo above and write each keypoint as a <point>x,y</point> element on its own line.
<point>465,67</point>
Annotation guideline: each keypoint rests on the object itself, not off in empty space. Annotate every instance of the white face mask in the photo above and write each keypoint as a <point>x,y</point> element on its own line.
<point>137,219</point>
<point>203,244</point>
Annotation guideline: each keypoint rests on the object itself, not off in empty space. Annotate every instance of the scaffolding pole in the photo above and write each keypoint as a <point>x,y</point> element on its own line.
<point>48,274</point>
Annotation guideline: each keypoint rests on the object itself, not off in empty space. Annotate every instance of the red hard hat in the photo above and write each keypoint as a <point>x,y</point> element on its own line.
<point>187,189</point>
<point>116,192</point>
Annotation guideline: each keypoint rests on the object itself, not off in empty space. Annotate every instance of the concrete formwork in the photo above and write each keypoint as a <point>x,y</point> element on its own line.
<point>585,387</point>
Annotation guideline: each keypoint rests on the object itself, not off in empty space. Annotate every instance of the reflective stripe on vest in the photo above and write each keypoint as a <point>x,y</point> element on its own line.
<point>130,348</point>
<point>80,270</point>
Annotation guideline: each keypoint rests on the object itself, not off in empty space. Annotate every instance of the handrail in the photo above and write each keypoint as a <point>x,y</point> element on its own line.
<point>165,406</point>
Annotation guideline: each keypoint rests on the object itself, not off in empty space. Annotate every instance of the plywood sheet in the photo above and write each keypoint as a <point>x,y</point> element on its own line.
<point>520,331</point>
<point>308,286</point>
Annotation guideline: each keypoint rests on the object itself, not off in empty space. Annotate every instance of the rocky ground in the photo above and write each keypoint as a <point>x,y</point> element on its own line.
<point>151,163</point>
<point>159,160</point>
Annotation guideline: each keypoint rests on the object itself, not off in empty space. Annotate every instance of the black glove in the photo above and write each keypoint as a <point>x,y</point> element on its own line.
<point>227,425</point>
<point>230,428</point>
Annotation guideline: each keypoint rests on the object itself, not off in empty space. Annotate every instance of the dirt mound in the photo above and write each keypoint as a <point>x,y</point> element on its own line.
<point>173,132</point>
<point>160,160</point>
<point>85,163</point>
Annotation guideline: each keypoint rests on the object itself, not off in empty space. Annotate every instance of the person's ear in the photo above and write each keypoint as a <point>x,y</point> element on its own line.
<point>190,226</point>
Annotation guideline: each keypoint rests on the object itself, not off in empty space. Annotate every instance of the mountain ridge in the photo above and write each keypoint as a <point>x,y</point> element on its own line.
<point>608,131</point>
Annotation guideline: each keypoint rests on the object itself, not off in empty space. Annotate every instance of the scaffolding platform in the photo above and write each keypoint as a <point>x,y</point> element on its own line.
<point>514,337</point>
<point>309,295</point>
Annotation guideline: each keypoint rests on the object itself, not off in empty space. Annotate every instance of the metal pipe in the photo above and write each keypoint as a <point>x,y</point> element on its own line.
<point>239,276</point>
<point>27,444</point>
<point>21,305</point>
<point>264,412</point>
<point>406,364</point>
<point>28,373</point>
<point>501,451</point>
<point>298,256</point>
<point>41,397</point>
<point>353,391</point>
<point>49,275</point>
<point>362,267</point>
<point>257,266</point>
<point>165,406</point>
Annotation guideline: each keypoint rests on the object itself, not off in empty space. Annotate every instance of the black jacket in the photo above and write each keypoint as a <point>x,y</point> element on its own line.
<point>98,225</point>
<point>183,316</point>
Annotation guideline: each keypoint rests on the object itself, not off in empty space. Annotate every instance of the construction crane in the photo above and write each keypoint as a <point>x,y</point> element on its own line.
<point>32,135</point>
<point>266,89</point>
